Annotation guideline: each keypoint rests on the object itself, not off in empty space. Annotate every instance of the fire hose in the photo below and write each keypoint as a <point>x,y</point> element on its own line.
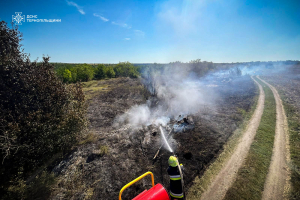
<point>179,168</point>
<point>181,176</point>
<point>157,192</point>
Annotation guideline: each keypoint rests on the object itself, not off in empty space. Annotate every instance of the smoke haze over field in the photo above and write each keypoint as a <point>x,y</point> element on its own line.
<point>181,89</point>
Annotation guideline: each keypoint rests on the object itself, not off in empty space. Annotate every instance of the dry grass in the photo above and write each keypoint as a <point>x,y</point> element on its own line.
<point>294,132</point>
<point>96,87</point>
<point>103,150</point>
<point>92,88</point>
<point>89,138</point>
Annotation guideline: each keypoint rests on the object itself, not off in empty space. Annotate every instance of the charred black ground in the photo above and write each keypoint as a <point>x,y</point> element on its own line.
<point>114,156</point>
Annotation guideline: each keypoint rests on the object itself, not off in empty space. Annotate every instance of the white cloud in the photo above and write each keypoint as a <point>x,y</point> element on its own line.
<point>71,3</point>
<point>127,39</point>
<point>139,33</point>
<point>102,18</point>
<point>122,25</point>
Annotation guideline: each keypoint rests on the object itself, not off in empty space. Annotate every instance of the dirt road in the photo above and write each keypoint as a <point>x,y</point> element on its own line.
<point>222,182</point>
<point>278,172</point>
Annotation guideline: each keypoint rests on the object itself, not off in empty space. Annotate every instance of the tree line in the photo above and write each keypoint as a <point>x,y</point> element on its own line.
<point>72,73</point>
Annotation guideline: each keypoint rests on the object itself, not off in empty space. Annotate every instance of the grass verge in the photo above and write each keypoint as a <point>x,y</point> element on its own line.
<point>201,184</point>
<point>293,119</point>
<point>252,175</point>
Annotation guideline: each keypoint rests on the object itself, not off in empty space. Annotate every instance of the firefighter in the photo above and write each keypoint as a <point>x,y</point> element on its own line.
<point>176,189</point>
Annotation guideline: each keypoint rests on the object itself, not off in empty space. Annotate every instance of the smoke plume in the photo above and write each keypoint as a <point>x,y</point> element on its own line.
<point>187,89</point>
<point>177,91</point>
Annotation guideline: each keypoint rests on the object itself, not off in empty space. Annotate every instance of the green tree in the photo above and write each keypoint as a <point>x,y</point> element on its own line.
<point>67,75</point>
<point>100,71</point>
<point>73,74</point>
<point>118,70</point>
<point>126,69</point>
<point>60,69</point>
<point>132,72</point>
<point>110,73</point>
<point>85,72</point>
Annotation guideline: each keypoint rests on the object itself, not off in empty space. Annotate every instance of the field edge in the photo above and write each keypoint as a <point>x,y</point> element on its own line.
<point>201,184</point>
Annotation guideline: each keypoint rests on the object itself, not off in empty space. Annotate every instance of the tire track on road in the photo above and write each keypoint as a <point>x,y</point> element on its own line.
<point>224,179</point>
<point>277,178</point>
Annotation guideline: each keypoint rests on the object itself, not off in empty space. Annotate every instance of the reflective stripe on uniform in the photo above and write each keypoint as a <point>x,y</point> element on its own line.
<point>176,195</point>
<point>175,177</point>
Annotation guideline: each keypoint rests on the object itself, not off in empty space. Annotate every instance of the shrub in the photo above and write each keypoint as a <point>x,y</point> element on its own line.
<point>39,115</point>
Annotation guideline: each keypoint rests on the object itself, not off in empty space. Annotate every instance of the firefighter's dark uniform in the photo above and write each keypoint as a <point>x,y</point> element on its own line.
<point>175,182</point>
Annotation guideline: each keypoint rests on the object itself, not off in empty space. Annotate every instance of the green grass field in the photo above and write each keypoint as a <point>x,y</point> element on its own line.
<point>294,132</point>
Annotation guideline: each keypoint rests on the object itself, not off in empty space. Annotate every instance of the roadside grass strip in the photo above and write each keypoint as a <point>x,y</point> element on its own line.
<point>201,184</point>
<point>293,118</point>
<point>251,177</point>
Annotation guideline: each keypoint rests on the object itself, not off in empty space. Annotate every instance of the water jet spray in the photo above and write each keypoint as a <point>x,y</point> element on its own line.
<point>163,135</point>
<point>162,145</point>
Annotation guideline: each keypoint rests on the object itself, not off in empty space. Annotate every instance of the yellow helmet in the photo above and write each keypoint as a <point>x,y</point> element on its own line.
<point>172,161</point>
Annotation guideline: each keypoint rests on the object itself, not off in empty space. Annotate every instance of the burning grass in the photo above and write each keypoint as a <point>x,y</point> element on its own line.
<point>251,177</point>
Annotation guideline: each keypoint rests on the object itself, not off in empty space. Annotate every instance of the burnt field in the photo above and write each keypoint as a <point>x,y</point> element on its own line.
<point>288,83</point>
<point>111,156</point>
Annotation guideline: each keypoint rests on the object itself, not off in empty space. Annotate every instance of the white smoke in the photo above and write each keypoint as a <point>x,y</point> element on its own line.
<point>178,90</point>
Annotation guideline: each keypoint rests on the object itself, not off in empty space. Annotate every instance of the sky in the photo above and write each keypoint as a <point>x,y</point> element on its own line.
<point>161,31</point>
